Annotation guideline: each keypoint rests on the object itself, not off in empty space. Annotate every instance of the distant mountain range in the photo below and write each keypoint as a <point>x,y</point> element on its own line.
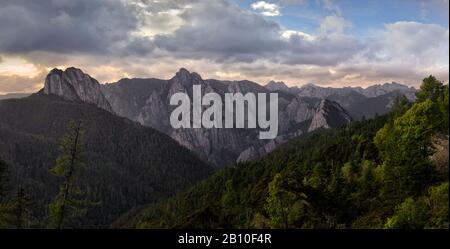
<point>14,95</point>
<point>358,101</point>
<point>301,110</point>
<point>311,90</point>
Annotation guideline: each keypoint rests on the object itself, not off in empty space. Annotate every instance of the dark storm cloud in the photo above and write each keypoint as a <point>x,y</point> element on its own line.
<point>63,25</point>
<point>213,30</point>
<point>222,31</point>
<point>225,33</point>
<point>325,51</point>
<point>153,6</point>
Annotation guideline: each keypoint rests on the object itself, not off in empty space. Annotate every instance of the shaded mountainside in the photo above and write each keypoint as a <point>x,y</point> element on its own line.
<point>126,164</point>
<point>370,107</point>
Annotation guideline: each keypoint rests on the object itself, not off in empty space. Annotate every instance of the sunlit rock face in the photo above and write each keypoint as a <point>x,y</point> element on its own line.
<point>329,114</point>
<point>72,84</point>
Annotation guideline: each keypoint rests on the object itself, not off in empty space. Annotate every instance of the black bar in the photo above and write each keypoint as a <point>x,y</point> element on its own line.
<point>278,238</point>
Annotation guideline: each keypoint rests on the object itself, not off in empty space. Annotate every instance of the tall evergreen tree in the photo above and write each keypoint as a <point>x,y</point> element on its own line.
<point>65,205</point>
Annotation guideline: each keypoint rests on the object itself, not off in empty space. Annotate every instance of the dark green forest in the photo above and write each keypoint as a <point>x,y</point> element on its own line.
<point>118,164</point>
<point>387,172</point>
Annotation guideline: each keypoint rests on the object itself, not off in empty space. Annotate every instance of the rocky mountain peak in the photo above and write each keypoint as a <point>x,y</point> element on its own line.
<point>185,79</point>
<point>277,86</point>
<point>73,84</point>
<point>183,73</point>
<point>55,71</point>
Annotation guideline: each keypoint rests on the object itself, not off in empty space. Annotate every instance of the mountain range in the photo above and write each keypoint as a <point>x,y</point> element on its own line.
<point>14,95</point>
<point>301,109</point>
<point>147,101</point>
<point>359,102</point>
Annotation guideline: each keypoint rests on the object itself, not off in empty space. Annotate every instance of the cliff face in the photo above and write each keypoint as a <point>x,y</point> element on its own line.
<point>147,101</point>
<point>329,114</point>
<point>72,84</point>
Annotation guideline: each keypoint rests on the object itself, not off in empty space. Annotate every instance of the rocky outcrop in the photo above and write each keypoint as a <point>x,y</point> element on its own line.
<point>325,115</point>
<point>277,86</point>
<point>72,84</point>
<point>329,114</point>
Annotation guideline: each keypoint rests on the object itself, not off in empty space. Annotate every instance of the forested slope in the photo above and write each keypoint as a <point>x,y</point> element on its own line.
<point>371,174</point>
<point>124,163</point>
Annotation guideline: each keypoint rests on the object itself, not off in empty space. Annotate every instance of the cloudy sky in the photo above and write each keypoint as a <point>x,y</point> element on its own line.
<point>325,42</point>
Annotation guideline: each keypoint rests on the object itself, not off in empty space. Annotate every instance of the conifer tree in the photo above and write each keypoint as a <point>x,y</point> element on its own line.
<point>65,205</point>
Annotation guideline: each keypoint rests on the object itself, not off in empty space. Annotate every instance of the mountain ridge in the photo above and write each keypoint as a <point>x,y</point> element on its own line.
<point>147,101</point>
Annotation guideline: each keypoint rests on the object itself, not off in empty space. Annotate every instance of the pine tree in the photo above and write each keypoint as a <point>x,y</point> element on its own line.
<point>65,205</point>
